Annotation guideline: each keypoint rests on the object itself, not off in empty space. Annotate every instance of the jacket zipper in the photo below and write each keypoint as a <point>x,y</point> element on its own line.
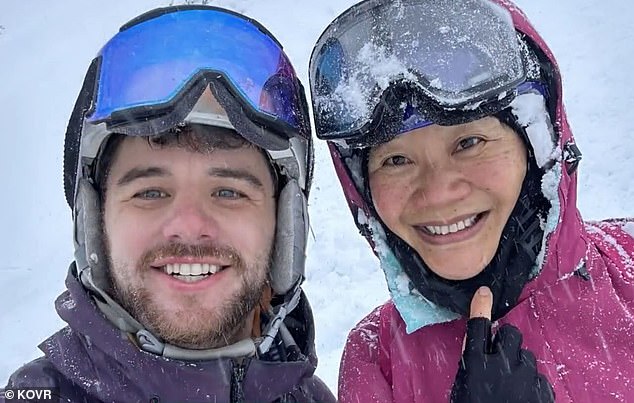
<point>237,379</point>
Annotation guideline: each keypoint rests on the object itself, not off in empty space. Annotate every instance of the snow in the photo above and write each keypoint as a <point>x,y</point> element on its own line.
<point>550,186</point>
<point>46,46</point>
<point>530,110</point>
<point>374,66</point>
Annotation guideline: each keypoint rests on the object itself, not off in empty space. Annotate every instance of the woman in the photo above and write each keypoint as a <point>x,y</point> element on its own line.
<point>447,129</point>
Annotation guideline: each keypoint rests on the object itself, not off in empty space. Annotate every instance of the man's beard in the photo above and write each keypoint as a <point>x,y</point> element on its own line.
<point>197,326</point>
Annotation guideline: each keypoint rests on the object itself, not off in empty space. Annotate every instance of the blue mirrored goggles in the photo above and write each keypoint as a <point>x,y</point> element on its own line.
<point>147,67</point>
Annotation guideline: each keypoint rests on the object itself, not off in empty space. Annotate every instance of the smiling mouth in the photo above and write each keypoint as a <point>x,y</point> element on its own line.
<point>192,272</point>
<point>441,230</point>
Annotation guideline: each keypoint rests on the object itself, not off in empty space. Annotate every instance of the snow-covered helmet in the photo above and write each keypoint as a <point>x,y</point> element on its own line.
<point>383,68</point>
<point>197,65</point>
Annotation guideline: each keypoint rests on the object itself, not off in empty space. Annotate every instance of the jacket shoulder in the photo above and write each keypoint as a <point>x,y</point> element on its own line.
<point>371,323</point>
<point>615,235</point>
<point>378,327</point>
<point>312,390</point>
<point>364,374</point>
<point>366,332</point>
<point>615,224</point>
<point>39,373</point>
<point>614,241</point>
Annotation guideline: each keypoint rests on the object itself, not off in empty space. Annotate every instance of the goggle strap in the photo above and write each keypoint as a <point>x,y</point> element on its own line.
<point>171,9</point>
<point>72,138</point>
<point>243,124</point>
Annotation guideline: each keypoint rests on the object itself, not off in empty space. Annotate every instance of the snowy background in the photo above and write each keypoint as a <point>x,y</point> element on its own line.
<point>47,45</point>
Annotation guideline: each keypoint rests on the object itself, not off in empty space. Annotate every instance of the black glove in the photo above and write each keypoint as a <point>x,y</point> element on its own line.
<point>498,370</point>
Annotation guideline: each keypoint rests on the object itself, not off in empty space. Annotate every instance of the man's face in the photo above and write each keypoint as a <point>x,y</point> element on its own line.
<point>189,236</point>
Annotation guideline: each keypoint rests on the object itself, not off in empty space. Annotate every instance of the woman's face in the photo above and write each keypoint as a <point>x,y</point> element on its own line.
<point>448,191</point>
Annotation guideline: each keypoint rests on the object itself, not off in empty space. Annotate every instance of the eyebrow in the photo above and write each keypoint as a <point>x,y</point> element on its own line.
<point>239,174</point>
<point>140,173</point>
<point>153,172</point>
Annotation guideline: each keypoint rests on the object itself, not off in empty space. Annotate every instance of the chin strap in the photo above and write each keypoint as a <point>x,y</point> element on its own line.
<point>290,302</point>
<point>150,343</point>
<point>108,306</point>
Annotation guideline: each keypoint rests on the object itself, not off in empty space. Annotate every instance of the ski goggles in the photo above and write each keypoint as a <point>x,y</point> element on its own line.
<point>452,61</point>
<point>147,69</point>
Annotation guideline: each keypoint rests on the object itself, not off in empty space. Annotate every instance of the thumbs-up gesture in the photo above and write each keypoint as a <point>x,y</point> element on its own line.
<point>496,369</point>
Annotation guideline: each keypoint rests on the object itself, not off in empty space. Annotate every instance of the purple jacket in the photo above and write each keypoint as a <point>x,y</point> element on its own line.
<point>92,361</point>
<point>576,316</point>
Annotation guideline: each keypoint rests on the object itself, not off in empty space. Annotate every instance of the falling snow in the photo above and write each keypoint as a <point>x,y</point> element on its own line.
<point>344,280</point>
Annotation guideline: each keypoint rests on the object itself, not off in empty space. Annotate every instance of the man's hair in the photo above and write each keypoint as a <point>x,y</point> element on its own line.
<point>196,138</point>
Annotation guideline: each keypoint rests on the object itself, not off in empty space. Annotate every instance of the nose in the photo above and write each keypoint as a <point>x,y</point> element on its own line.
<point>190,220</point>
<point>439,186</point>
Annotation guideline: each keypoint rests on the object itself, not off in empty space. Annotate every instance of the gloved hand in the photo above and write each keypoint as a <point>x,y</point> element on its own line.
<point>496,369</point>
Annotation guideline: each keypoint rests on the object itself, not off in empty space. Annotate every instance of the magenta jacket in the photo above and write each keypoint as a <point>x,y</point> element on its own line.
<point>576,316</point>
<point>581,331</point>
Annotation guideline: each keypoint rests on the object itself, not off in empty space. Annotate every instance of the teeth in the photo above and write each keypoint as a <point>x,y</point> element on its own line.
<point>195,269</point>
<point>190,279</point>
<point>450,229</point>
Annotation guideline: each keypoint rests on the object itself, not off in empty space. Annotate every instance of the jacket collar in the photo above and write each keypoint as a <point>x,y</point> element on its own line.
<point>105,362</point>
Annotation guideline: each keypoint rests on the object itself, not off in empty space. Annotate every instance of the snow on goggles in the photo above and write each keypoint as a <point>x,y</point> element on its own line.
<point>145,70</point>
<point>454,60</point>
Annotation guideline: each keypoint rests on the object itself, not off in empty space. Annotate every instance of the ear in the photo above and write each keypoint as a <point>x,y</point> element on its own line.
<point>290,239</point>
<point>89,248</point>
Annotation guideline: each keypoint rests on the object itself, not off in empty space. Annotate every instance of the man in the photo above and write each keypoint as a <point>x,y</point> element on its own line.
<point>187,164</point>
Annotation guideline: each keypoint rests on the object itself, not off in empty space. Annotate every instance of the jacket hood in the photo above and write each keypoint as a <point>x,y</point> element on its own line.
<point>551,138</point>
<point>107,364</point>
